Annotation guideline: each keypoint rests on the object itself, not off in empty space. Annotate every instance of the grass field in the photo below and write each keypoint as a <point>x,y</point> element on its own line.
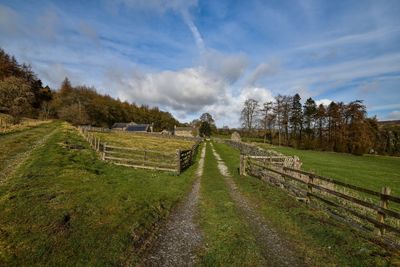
<point>322,241</point>
<point>142,141</point>
<point>64,206</point>
<point>367,171</point>
<point>6,125</point>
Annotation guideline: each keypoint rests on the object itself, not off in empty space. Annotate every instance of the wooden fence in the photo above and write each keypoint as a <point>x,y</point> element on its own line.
<point>151,134</point>
<point>358,205</point>
<point>176,161</point>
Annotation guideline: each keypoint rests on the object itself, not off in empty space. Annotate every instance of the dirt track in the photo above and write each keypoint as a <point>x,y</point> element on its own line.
<point>179,239</point>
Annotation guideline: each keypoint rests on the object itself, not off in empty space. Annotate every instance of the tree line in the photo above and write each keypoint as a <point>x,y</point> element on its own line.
<point>22,94</point>
<point>336,127</point>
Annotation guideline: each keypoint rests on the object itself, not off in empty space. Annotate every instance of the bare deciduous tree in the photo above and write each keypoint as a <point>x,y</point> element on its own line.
<point>249,114</point>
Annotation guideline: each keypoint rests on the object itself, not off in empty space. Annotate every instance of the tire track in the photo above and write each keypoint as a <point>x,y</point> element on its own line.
<point>179,239</point>
<point>275,249</point>
<point>20,158</point>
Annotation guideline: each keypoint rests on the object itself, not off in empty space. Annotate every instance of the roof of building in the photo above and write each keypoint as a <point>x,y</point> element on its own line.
<point>119,125</point>
<point>138,128</point>
<point>122,124</point>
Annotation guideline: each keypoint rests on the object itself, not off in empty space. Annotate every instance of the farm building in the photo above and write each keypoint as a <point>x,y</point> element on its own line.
<point>132,127</point>
<point>139,128</point>
<point>119,126</point>
<point>185,131</point>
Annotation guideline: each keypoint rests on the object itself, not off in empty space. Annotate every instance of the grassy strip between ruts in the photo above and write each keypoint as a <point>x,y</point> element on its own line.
<point>227,238</point>
<point>323,241</point>
<point>367,171</point>
<point>65,207</point>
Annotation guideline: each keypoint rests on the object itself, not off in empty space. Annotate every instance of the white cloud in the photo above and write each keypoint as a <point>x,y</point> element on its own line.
<point>186,90</point>
<point>156,5</point>
<point>227,110</point>
<point>263,70</point>
<point>228,66</point>
<point>186,93</point>
<point>357,38</point>
<point>195,31</point>
<point>324,102</point>
<point>394,115</point>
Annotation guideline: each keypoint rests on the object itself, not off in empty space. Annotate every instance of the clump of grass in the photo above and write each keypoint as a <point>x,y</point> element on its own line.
<point>66,207</point>
<point>312,232</point>
<point>228,239</point>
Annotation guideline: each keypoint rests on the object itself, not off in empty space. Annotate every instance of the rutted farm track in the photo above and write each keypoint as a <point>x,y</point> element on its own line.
<point>275,249</point>
<point>179,240</point>
<point>19,146</point>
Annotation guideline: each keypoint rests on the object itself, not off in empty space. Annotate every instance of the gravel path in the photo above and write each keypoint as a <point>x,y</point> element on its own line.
<point>177,242</point>
<point>276,250</point>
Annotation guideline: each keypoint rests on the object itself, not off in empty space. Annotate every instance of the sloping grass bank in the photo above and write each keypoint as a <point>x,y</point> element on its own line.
<point>65,207</point>
<point>322,241</point>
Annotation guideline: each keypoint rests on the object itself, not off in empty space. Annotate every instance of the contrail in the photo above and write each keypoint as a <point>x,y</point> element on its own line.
<point>195,31</point>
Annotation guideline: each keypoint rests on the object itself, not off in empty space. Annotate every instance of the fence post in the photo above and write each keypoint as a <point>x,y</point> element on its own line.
<point>384,204</point>
<point>309,187</point>
<point>178,157</point>
<point>242,166</point>
<point>144,157</point>
<point>104,151</point>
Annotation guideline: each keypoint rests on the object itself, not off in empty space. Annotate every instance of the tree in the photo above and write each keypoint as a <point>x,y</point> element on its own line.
<point>15,97</point>
<point>282,109</point>
<point>320,118</point>
<point>296,119</point>
<point>206,117</point>
<point>358,138</point>
<point>66,87</point>
<point>249,113</point>
<point>310,110</point>
<point>205,129</point>
<point>265,113</point>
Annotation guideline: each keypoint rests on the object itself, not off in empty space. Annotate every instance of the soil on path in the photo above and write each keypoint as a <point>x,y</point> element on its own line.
<point>178,240</point>
<point>276,250</point>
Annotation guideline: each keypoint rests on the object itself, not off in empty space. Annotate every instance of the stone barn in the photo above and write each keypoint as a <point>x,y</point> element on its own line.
<point>185,131</point>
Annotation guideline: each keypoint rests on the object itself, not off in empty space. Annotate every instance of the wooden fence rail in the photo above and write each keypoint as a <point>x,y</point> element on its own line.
<point>140,158</point>
<point>331,192</point>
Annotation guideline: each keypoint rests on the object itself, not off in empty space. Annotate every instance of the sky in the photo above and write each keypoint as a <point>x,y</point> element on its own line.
<point>189,57</point>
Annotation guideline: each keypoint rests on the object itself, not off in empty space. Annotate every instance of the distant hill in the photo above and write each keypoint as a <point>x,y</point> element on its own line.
<point>389,123</point>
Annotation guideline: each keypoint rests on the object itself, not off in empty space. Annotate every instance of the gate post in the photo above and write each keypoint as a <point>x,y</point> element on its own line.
<point>178,163</point>
<point>242,166</point>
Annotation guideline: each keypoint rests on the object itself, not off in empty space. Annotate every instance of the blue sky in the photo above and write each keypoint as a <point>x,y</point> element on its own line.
<point>189,56</point>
